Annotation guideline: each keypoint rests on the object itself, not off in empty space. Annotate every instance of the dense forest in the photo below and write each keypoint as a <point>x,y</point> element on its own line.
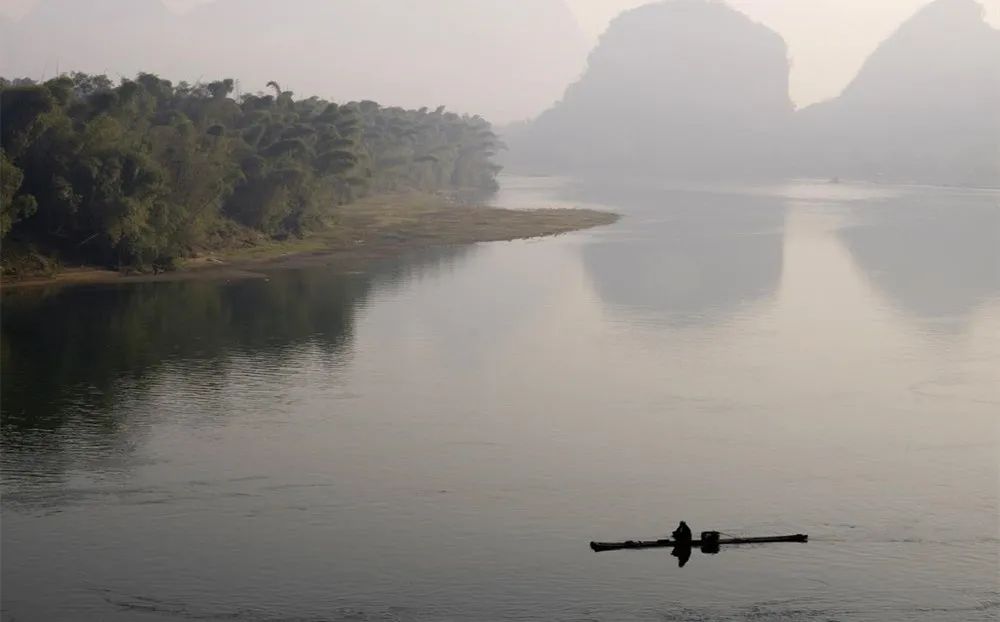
<point>145,171</point>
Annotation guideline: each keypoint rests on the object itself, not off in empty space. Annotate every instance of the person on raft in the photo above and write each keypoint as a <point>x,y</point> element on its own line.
<point>682,535</point>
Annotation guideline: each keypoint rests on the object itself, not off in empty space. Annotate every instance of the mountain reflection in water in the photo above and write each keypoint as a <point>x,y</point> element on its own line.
<point>695,257</point>
<point>439,436</point>
<point>935,253</point>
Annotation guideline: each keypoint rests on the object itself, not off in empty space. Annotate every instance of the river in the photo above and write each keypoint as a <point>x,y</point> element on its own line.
<point>439,437</point>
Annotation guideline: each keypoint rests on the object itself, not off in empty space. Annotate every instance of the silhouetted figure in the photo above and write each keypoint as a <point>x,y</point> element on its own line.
<point>682,535</point>
<point>682,544</point>
<point>683,553</point>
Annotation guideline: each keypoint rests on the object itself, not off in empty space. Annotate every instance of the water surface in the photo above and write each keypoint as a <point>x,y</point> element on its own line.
<point>440,436</point>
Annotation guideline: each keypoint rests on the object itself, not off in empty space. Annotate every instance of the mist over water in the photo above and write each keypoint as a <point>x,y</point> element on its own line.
<point>439,437</point>
<point>794,327</point>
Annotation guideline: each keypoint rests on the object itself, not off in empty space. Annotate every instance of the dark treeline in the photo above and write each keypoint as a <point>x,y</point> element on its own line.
<point>71,372</point>
<point>108,341</point>
<point>144,172</point>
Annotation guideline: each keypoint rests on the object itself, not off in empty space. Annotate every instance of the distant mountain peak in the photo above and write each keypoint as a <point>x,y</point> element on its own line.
<point>924,107</point>
<point>947,42</point>
<point>689,86</point>
<point>942,9</point>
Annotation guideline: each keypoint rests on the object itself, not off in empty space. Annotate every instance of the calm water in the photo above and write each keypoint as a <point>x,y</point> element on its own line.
<point>439,437</point>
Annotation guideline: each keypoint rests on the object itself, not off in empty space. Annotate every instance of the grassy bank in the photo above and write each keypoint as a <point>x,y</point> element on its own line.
<point>370,228</point>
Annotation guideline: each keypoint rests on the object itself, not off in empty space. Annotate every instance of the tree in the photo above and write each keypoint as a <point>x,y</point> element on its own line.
<point>146,171</point>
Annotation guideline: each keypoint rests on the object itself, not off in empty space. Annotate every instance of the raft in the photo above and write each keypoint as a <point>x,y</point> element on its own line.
<point>666,543</point>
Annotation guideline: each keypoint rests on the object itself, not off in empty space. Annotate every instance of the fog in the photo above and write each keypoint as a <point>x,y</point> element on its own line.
<point>828,40</point>
<point>896,91</point>
<point>505,60</point>
<point>476,57</point>
<point>406,309</point>
<point>695,89</point>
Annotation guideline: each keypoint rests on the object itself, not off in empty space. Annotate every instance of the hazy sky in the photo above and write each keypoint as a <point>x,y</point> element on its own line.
<point>827,39</point>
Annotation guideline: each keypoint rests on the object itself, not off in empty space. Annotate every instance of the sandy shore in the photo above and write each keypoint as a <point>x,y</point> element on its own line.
<point>366,230</point>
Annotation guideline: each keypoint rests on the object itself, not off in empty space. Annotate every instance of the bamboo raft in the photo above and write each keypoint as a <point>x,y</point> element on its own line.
<point>667,543</point>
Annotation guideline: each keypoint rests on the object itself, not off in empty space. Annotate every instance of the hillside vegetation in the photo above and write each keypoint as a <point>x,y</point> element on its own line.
<point>145,171</point>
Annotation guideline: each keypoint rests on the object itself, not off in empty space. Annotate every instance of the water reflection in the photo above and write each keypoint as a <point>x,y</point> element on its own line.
<point>437,442</point>
<point>72,357</point>
<point>688,256</point>
<point>682,553</point>
<point>936,254</point>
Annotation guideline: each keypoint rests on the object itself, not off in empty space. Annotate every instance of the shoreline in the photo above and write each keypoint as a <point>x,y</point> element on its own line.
<point>367,230</point>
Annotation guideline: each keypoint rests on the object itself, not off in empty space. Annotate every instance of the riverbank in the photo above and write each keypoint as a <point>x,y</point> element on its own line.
<point>368,229</point>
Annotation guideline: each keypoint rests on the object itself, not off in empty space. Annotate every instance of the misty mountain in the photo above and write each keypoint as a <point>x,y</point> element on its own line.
<point>687,88</point>
<point>475,56</point>
<point>691,88</point>
<point>924,107</point>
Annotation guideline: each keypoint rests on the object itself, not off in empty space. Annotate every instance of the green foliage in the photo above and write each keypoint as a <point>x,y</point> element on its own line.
<point>13,207</point>
<point>144,172</point>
